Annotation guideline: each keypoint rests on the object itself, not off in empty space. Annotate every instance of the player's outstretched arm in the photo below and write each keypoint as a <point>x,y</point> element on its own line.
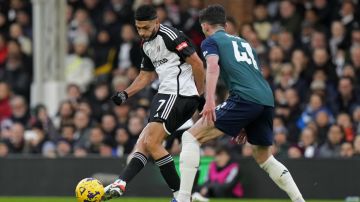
<point>143,79</point>
<point>212,75</point>
<point>198,71</point>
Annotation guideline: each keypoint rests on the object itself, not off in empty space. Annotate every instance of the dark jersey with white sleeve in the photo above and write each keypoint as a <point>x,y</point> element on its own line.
<point>165,53</point>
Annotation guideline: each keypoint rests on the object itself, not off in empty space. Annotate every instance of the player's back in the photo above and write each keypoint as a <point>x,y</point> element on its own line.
<point>240,70</point>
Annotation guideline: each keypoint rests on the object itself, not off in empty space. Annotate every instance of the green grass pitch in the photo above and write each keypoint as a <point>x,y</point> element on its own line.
<point>72,199</point>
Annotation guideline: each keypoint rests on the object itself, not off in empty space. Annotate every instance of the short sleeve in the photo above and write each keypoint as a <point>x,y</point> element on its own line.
<point>177,41</point>
<point>146,64</point>
<point>209,47</point>
<point>183,46</point>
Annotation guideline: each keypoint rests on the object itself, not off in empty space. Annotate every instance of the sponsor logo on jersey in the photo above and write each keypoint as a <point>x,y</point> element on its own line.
<point>181,46</point>
<point>157,63</point>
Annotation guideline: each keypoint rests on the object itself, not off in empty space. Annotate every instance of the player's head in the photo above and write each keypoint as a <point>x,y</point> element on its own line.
<point>146,21</point>
<point>212,17</point>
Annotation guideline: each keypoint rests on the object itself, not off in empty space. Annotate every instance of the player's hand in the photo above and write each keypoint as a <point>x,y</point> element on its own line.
<point>208,111</point>
<point>119,97</point>
<point>241,138</point>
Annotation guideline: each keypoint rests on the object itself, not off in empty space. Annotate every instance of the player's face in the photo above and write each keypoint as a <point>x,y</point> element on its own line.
<point>205,28</point>
<point>147,29</point>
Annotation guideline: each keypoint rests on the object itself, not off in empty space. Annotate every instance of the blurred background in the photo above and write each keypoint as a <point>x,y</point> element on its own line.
<point>60,61</point>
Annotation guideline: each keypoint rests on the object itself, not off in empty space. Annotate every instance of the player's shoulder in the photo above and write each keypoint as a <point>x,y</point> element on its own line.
<point>208,41</point>
<point>169,32</point>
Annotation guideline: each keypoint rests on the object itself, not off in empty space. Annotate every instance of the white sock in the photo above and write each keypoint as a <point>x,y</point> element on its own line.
<point>282,177</point>
<point>189,163</point>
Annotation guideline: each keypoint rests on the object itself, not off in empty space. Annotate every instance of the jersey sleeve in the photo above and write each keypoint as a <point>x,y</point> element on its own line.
<point>177,41</point>
<point>209,47</point>
<point>146,64</point>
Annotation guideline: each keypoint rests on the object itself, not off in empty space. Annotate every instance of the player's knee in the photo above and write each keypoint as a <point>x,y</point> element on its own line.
<point>261,153</point>
<point>151,144</point>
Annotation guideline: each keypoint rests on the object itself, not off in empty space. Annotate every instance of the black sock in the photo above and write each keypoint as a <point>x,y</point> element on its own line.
<point>136,164</point>
<point>168,171</point>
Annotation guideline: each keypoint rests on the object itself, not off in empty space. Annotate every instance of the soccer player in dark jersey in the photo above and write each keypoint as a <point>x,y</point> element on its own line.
<point>250,105</point>
<point>181,74</point>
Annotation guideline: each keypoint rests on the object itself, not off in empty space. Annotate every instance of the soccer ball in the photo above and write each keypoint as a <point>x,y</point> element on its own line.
<point>89,190</point>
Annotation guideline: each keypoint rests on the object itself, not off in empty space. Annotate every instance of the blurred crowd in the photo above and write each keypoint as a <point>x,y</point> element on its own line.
<point>309,52</point>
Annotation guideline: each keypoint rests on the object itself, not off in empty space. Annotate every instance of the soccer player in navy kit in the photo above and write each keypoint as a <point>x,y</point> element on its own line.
<point>250,105</point>
<point>168,52</point>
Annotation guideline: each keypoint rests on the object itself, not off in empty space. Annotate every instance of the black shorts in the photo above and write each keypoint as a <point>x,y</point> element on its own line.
<point>172,110</point>
<point>236,113</point>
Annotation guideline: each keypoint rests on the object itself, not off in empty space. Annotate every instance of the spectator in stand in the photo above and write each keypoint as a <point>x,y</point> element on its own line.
<point>344,120</point>
<point>347,99</point>
<point>73,94</point>
<point>42,117</point>
<point>355,37</point>
<point>276,58</point>
<point>95,140</point>
<point>79,68</point>
<point>321,61</point>
<point>323,124</point>
<point>286,43</point>
<point>294,152</point>
<point>347,150</point>
<point>17,34</point>
<point>123,10</point>
<point>4,149</point>
<point>65,114</point>
<point>294,111</point>
<point>23,18</point>
<point>83,127</point>
<point>261,23</point>
<point>308,142</point>
<point>17,72</point>
<point>35,139</point>
<point>135,126</point>
<point>190,22</point>
<point>231,26</point>
<point>100,102</point>
<point>109,126</point>
<point>163,16</point>
<point>347,15</point>
<point>104,55</point>
<point>331,148</point>
<point>280,138</point>
<point>128,53</point>
<point>338,38</point>
<point>5,108</point>
<point>20,111</point>
<point>67,133</point>
<point>122,112</point>
<point>16,140</point>
<point>315,105</point>
<point>289,17</point>
<point>63,148</point>
<point>223,177</point>
<point>355,61</point>
<point>123,146</point>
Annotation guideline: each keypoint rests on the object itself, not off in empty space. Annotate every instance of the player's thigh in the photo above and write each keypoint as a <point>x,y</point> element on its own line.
<point>154,134</point>
<point>204,131</point>
<point>260,131</point>
<point>235,114</point>
<point>172,110</point>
